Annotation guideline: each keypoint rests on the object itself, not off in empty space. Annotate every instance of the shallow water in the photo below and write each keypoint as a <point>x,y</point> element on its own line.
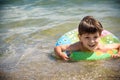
<point>29,30</point>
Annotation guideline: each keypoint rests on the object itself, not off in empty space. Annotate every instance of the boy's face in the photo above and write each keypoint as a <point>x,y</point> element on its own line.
<point>90,41</point>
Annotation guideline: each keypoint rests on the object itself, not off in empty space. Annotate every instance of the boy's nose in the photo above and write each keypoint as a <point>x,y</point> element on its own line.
<point>92,41</point>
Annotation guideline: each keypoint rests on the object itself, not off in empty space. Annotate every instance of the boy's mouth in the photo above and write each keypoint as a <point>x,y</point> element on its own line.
<point>91,46</point>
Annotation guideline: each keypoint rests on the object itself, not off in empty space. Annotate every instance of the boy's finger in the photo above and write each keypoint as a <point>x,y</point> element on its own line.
<point>66,58</point>
<point>116,56</point>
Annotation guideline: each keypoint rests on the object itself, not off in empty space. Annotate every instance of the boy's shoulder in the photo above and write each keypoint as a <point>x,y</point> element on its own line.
<point>75,46</point>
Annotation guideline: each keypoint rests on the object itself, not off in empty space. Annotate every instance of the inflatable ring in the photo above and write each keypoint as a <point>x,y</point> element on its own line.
<point>71,37</point>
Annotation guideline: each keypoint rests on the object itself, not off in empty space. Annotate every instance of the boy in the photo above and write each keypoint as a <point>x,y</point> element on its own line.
<point>89,34</point>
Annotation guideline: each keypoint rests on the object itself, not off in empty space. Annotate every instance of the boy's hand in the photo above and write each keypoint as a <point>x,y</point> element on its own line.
<point>64,56</point>
<point>116,56</point>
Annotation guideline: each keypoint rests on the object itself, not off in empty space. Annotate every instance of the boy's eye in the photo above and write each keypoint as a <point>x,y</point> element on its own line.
<point>96,37</point>
<point>87,37</point>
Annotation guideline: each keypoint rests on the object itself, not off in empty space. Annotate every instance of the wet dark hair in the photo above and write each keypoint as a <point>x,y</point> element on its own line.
<point>89,25</point>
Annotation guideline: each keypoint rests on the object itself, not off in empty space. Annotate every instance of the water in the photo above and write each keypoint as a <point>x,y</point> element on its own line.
<point>29,30</point>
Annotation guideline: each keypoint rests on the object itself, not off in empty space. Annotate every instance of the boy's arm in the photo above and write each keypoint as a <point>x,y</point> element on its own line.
<point>115,46</point>
<point>60,49</point>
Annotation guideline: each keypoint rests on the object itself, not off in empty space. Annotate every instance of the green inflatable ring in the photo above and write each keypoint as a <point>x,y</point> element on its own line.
<point>71,37</point>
